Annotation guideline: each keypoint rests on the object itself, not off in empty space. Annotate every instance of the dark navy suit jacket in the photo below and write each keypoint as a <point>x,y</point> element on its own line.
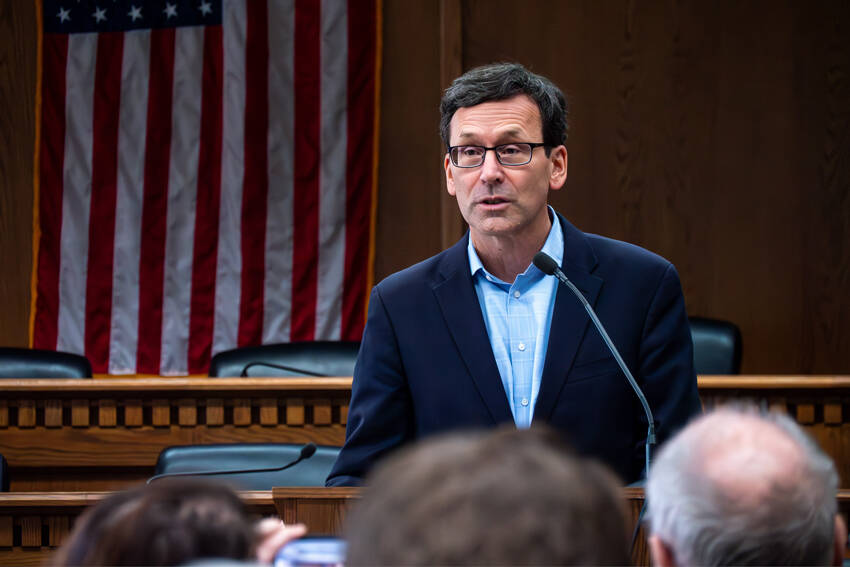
<point>426,365</point>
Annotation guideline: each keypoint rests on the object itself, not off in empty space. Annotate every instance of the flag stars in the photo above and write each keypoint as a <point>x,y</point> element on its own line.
<point>170,11</point>
<point>135,13</point>
<point>205,8</point>
<point>63,15</point>
<point>99,15</point>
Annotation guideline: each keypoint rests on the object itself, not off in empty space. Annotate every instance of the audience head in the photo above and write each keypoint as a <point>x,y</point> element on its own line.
<point>501,81</point>
<point>737,487</point>
<point>498,498</point>
<point>166,523</point>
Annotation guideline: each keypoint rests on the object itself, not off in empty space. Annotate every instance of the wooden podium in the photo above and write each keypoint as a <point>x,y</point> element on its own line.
<point>322,510</point>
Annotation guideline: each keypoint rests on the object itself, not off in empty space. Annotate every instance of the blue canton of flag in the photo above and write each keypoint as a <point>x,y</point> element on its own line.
<point>90,16</point>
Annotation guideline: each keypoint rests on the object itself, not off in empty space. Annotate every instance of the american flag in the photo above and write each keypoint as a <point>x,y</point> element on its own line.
<point>205,178</point>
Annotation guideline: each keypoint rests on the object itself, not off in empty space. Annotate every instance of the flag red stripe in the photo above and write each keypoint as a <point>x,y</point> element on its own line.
<point>207,207</point>
<point>104,187</point>
<point>155,205</point>
<point>255,186</point>
<point>361,114</point>
<point>305,245</point>
<point>51,166</point>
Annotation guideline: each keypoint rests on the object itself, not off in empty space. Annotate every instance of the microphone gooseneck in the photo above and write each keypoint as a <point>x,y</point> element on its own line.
<point>306,452</point>
<point>548,266</point>
<point>244,372</point>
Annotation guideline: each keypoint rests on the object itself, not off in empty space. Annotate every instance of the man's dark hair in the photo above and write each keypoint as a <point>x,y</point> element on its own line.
<point>166,523</point>
<point>509,497</point>
<point>500,81</point>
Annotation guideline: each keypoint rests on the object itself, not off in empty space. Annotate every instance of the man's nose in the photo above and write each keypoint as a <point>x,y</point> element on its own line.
<point>491,169</point>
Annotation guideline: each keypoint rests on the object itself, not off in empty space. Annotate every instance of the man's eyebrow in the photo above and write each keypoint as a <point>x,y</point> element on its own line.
<point>511,135</point>
<point>466,135</point>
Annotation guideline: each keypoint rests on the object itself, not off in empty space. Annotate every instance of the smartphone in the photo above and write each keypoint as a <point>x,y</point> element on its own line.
<point>312,551</point>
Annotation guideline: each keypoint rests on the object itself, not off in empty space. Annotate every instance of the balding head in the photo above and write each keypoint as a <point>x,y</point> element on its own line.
<point>736,487</point>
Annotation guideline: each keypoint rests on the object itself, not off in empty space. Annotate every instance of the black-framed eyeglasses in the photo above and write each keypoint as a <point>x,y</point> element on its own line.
<point>513,154</point>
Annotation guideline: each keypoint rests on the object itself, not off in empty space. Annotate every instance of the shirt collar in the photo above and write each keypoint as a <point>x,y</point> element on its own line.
<point>554,247</point>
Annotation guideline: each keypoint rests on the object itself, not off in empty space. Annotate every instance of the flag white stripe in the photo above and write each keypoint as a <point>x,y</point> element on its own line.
<point>132,127</point>
<point>182,195</point>
<point>332,197</point>
<point>229,263</point>
<point>76,192</point>
<point>277,294</point>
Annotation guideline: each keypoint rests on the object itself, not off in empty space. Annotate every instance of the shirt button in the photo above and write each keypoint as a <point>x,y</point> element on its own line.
<point>521,346</point>
<point>516,294</point>
<point>489,279</point>
<point>524,401</point>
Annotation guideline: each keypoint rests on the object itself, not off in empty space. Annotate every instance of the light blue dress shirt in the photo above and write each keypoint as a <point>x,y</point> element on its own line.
<point>518,317</point>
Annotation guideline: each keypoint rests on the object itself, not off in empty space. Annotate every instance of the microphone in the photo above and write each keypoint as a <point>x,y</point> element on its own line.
<point>244,372</point>
<point>306,452</point>
<point>548,266</point>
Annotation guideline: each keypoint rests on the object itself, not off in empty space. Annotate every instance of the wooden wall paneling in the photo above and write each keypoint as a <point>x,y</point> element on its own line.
<point>18,41</point>
<point>322,413</point>
<point>58,529</point>
<point>80,413</point>
<point>268,411</point>
<point>409,180</point>
<point>821,63</point>
<point>53,413</point>
<point>26,414</point>
<point>107,414</point>
<point>452,225</point>
<point>215,412</point>
<point>242,412</point>
<point>133,413</point>
<point>684,139</point>
<point>295,411</point>
<point>30,531</point>
<point>187,412</point>
<point>6,531</point>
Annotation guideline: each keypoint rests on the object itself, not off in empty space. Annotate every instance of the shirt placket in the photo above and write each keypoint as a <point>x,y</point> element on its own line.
<point>521,345</point>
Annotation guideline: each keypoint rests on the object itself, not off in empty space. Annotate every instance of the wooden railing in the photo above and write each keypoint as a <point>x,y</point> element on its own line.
<point>33,525</point>
<point>107,433</point>
<point>104,434</point>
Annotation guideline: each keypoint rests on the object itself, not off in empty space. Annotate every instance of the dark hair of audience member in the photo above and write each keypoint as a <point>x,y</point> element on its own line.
<point>509,497</point>
<point>166,523</point>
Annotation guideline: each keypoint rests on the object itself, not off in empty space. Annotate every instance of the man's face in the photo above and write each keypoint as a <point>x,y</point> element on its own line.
<point>502,200</point>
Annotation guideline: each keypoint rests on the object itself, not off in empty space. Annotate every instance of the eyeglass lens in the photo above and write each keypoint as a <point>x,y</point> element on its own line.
<point>507,154</point>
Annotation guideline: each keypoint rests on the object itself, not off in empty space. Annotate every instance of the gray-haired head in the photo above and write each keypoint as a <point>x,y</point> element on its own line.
<point>501,81</point>
<point>737,487</point>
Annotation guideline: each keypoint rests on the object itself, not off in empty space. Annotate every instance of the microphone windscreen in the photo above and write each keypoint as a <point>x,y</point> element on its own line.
<point>308,450</point>
<point>545,263</point>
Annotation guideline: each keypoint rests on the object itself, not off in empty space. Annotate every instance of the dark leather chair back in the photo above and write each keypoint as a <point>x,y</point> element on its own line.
<point>241,456</point>
<point>717,346</point>
<point>317,358</point>
<point>4,475</point>
<point>35,363</point>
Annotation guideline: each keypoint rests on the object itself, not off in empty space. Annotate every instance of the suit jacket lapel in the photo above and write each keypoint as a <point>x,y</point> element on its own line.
<point>459,303</point>
<point>570,322</point>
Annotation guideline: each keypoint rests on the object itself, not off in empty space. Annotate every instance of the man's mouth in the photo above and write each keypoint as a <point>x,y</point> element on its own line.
<point>493,201</point>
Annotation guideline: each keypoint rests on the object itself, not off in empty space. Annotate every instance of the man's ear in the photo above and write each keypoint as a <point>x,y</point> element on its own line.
<point>840,543</point>
<point>558,173</point>
<point>450,180</point>
<point>661,554</point>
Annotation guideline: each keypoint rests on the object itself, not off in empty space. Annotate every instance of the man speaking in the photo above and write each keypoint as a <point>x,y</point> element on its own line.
<point>477,335</point>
